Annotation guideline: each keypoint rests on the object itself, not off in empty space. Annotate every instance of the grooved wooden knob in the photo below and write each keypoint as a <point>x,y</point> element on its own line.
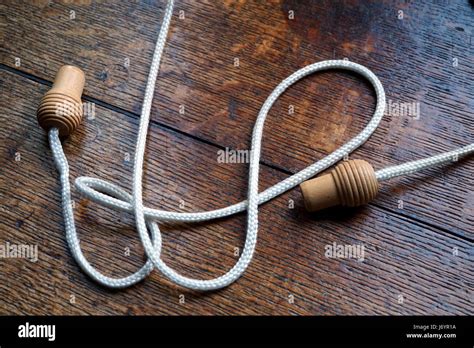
<point>351,183</point>
<point>61,106</point>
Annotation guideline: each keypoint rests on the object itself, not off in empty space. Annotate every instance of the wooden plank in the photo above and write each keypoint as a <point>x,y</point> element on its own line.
<point>414,56</point>
<point>429,270</point>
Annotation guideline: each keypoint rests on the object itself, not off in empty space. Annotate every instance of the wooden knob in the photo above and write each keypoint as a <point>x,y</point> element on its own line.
<point>351,183</point>
<point>61,106</point>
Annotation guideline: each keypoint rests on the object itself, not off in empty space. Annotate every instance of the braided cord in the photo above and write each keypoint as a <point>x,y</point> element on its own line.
<point>415,166</point>
<point>112,196</point>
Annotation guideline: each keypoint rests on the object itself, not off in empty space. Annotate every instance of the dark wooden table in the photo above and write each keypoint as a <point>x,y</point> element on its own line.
<point>418,234</point>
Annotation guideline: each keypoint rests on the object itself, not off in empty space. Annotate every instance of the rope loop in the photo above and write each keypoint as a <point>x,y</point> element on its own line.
<point>112,196</point>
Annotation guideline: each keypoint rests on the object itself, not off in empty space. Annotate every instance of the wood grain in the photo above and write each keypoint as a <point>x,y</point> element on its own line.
<point>418,235</point>
<point>402,257</point>
<point>413,57</point>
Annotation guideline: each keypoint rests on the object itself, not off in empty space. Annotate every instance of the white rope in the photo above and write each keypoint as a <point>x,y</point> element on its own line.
<point>110,195</point>
<point>415,166</point>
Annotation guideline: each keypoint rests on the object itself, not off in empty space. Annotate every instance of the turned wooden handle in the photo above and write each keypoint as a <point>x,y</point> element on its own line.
<point>351,183</point>
<point>61,106</point>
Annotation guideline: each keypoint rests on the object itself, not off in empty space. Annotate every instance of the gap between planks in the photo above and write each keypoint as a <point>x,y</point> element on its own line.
<point>168,128</point>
